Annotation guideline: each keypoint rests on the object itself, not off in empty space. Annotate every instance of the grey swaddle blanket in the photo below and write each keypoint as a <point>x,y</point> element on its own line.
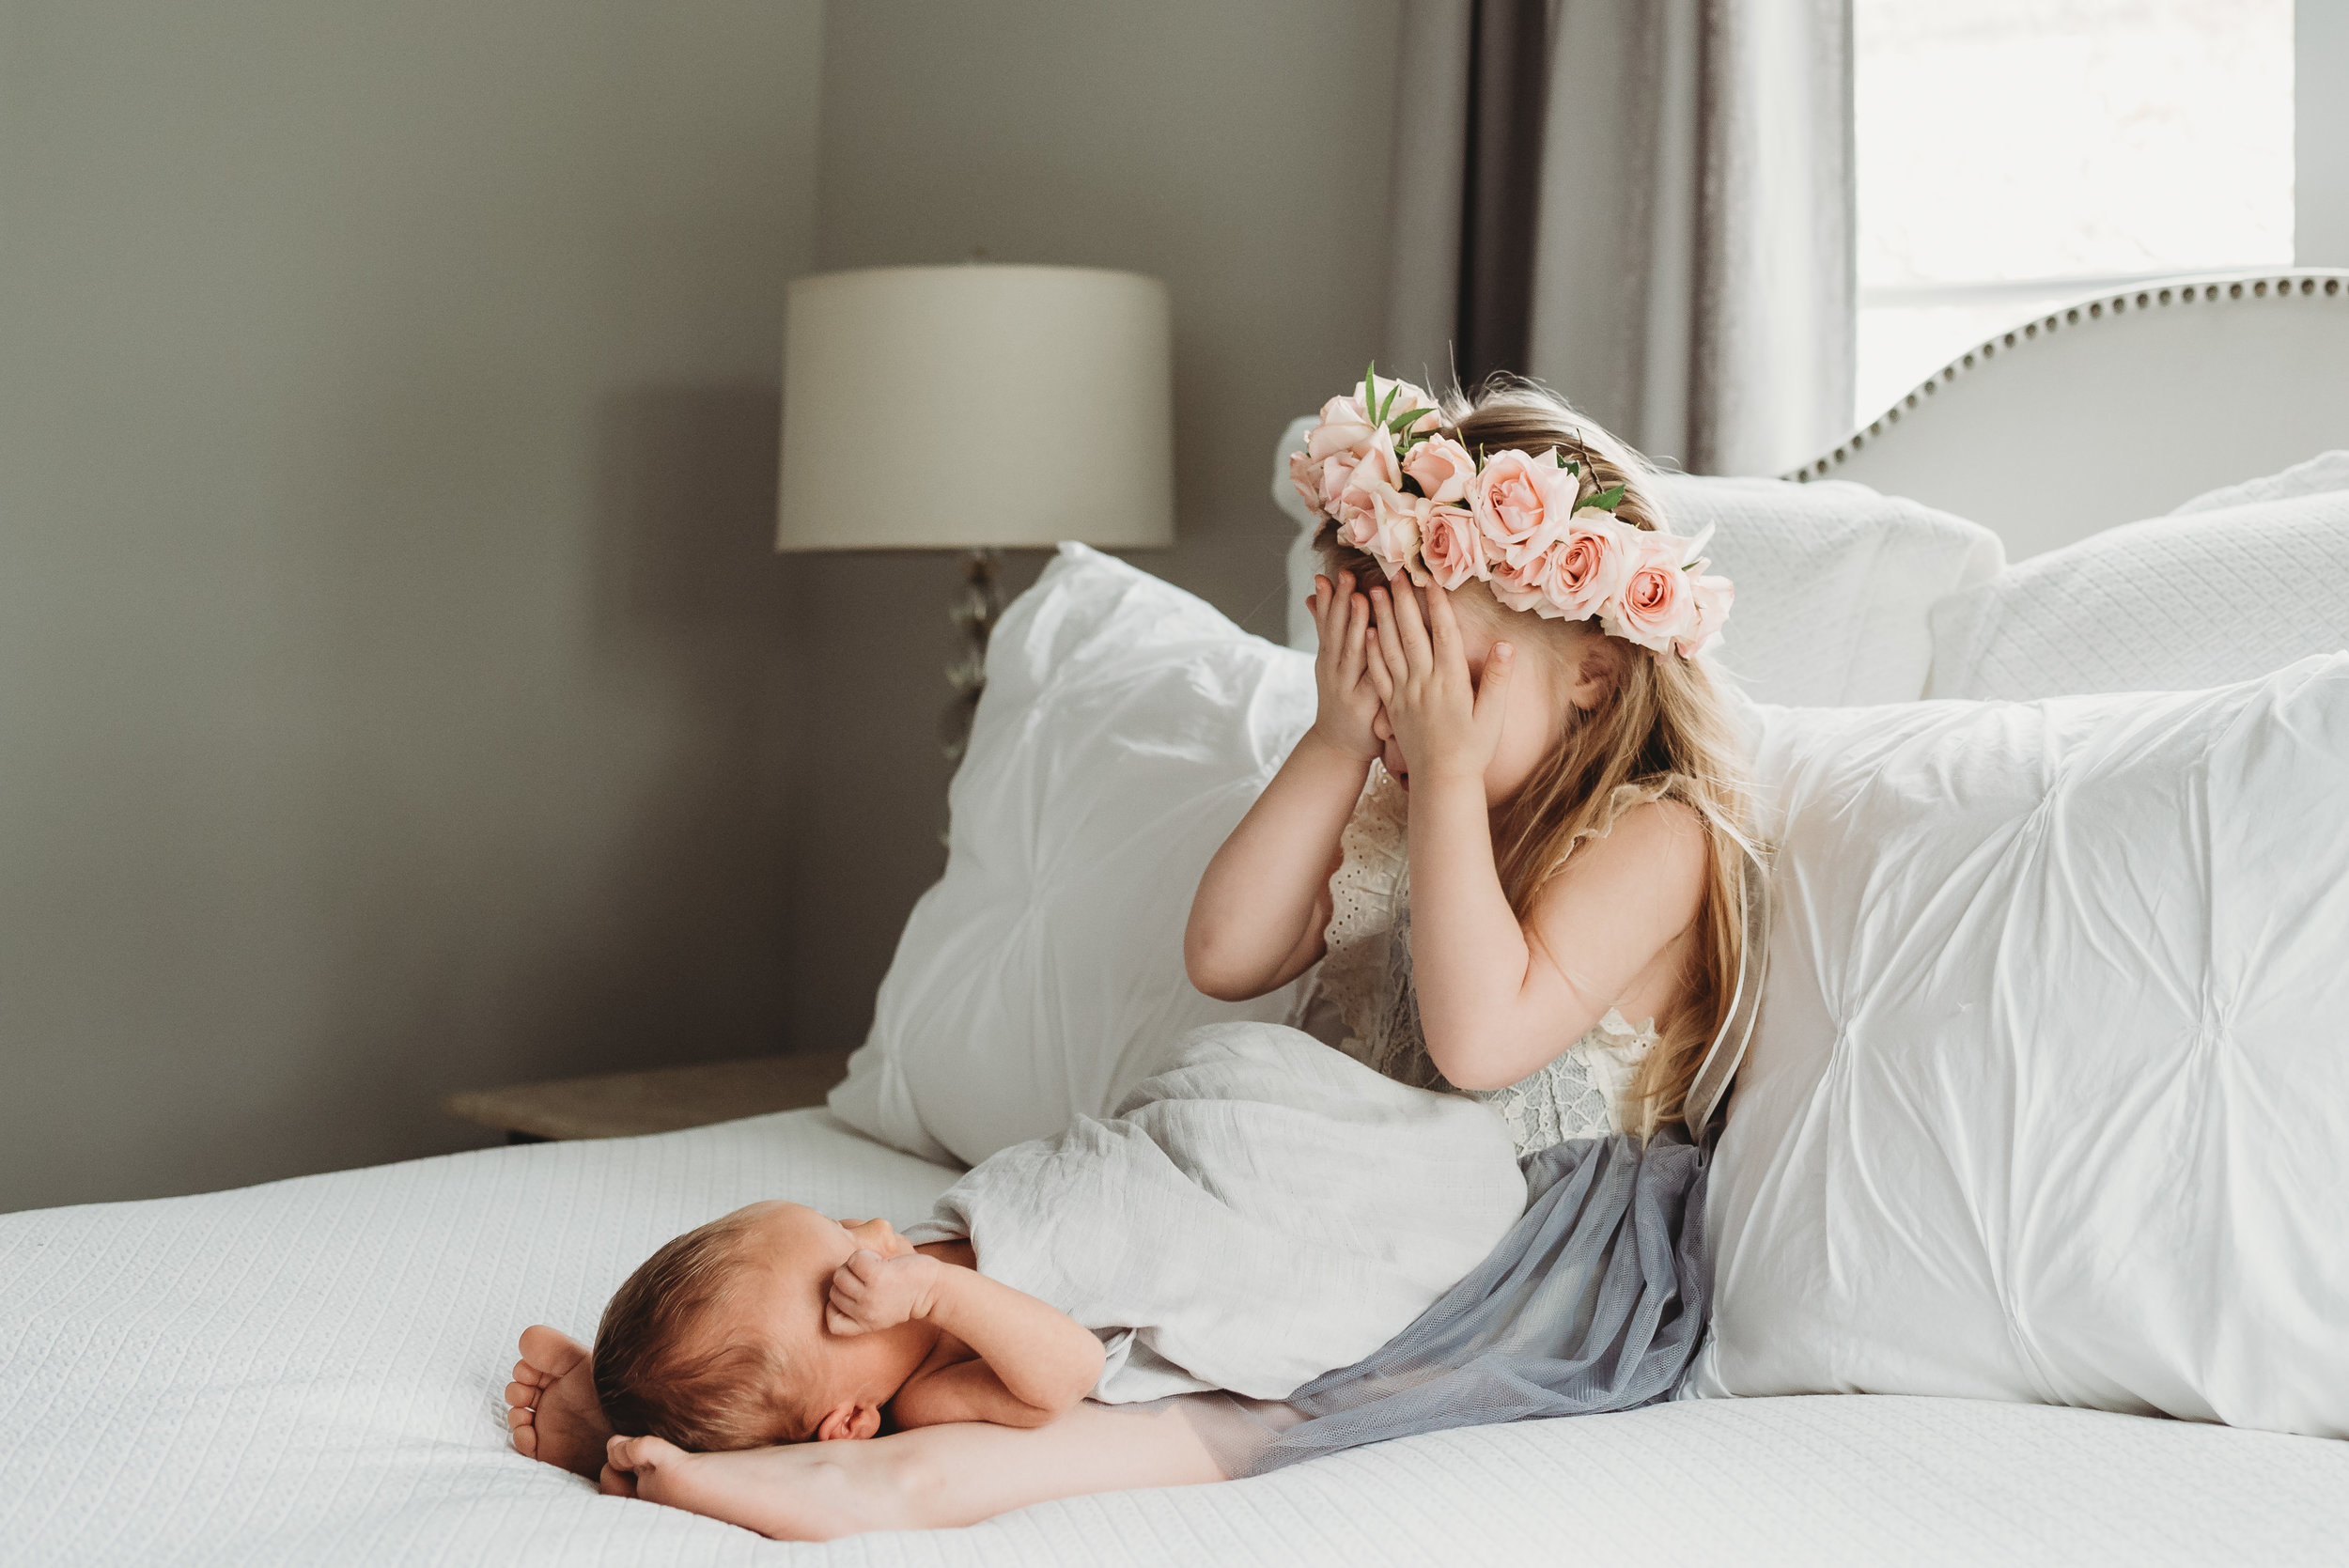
<point>1265,1210</point>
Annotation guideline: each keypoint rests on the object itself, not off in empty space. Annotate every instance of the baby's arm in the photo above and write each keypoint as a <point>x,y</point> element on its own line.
<point>1257,920</point>
<point>1034,1360</point>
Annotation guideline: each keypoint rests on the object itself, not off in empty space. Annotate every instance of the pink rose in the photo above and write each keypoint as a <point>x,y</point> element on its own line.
<point>1522,502</point>
<point>1588,566</point>
<point>1658,602</point>
<point>1373,471</point>
<point>1516,587</point>
<point>1452,547</point>
<point>1406,396</point>
<point>1336,474</point>
<point>1375,464</point>
<point>1712,595</point>
<point>1443,468</point>
<point>1305,475</point>
<point>1357,512</point>
<point>1344,429</point>
<point>1398,523</point>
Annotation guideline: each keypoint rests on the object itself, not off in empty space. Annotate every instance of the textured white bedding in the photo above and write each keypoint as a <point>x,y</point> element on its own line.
<point>309,1373</point>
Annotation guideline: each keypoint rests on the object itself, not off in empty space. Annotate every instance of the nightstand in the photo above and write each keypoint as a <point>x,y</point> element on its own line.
<point>621,1104</point>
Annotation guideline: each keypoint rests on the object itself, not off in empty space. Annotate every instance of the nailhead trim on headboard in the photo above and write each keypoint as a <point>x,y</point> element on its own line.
<point>2324,282</point>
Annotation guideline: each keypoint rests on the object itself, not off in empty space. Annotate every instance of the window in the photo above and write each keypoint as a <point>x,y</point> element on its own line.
<point>2013,153</point>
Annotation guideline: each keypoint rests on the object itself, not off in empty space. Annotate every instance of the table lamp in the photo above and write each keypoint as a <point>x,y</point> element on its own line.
<point>976,408</point>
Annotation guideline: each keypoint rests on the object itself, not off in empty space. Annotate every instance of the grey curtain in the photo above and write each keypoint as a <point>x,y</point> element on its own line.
<point>1646,204</point>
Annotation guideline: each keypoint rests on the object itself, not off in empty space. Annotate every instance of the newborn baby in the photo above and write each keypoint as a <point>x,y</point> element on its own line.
<point>1261,1211</point>
<point>776,1324</point>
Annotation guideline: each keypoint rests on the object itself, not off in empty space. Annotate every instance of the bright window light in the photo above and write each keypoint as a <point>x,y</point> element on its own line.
<point>2013,153</point>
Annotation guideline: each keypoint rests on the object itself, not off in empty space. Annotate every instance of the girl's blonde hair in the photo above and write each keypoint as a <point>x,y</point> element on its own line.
<point>1664,732</point>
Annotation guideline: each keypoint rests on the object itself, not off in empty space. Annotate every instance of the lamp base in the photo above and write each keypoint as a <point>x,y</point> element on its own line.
<point>975,610</point>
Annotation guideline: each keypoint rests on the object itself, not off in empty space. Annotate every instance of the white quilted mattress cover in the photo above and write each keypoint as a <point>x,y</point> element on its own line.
<point>310,1372</point>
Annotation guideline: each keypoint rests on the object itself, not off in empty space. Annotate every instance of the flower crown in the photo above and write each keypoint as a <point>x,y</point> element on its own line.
<point>1535,528</point>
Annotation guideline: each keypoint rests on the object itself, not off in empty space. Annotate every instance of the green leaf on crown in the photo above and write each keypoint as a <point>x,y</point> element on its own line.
<point>1606,500</point>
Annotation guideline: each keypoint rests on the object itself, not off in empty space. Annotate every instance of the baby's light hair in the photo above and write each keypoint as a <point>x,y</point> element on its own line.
<point>650,1378</point>
<point>1664,731</point>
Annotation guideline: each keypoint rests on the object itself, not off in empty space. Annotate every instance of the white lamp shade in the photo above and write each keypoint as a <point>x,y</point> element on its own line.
<point>930,407</point>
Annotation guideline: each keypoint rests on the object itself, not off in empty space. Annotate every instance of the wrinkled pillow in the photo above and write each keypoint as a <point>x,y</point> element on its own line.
<point>1125,728</point>
<point>2169,604</point>
<point>2327,471</point>
<point>2049,1097</point>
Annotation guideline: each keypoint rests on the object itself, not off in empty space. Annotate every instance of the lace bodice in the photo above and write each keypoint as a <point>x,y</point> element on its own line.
<point>1363,1002</point>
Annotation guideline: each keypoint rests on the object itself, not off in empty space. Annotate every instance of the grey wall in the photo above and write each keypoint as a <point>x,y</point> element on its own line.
<point>395,675</point>
<point>398,691</point>
<point>2320,106</point>
<point>1234,148</point>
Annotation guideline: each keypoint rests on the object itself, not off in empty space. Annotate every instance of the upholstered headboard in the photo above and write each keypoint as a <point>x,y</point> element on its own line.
<point>2113,409</point>
<point>2118,406</point>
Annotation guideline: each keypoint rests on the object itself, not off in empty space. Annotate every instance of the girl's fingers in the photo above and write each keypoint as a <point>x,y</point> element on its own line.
<point>1375,659</point>
<point>1443,626</point>
<point>1357,646</point>
<point>1390,642</point>
<point>1409,629</point>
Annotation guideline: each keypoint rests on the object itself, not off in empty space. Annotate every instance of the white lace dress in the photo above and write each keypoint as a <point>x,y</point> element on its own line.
<point>1362,1001</point>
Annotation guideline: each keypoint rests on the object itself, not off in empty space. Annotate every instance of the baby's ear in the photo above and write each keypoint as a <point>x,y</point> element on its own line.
<point>849,1421</point>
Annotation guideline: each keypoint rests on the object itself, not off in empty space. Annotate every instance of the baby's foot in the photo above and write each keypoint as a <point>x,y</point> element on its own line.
<point>551,1404</point>
<point>795,1493</point>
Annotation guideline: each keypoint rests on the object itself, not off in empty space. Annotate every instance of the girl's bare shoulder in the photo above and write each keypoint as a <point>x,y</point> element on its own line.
<point>1651,862</point>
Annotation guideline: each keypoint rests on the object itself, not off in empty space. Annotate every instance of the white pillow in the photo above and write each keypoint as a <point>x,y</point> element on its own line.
<point>1125,728</point>
<point>1834,582</point>
<point>2327,471</point>
<point>2049,1099</point>
<point>2169,604</point>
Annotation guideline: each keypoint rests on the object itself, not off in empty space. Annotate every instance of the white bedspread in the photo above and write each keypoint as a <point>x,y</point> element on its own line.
<point>308,1373</point>
<point>1263,1211</point>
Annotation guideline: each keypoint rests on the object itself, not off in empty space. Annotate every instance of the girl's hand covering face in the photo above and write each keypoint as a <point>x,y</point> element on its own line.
<point>1447,724</point>
<point>1349,702</point>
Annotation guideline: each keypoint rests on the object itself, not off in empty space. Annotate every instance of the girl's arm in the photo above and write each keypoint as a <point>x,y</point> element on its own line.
<point>1034,1361</point>
<point>1257,920</point>
<point>1499,1000</point>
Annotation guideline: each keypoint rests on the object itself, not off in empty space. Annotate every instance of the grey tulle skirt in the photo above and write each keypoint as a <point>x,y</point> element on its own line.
<point>1594,1301</point>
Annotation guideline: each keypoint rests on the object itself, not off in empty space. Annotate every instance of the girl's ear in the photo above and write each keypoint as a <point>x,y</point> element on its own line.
<point>1594,676</point>
<point>849,1421</point>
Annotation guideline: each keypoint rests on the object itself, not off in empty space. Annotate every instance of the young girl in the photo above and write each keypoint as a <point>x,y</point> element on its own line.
<point>1512,842</point>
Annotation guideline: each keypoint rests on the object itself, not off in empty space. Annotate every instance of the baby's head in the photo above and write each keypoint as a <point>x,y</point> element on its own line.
<point>718,1340</point>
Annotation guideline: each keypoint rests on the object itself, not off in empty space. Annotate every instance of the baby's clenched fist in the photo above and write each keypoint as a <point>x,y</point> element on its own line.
<point>870,1293</point>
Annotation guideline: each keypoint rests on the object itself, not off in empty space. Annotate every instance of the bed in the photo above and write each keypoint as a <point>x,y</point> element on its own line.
<point>310,1372</point>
